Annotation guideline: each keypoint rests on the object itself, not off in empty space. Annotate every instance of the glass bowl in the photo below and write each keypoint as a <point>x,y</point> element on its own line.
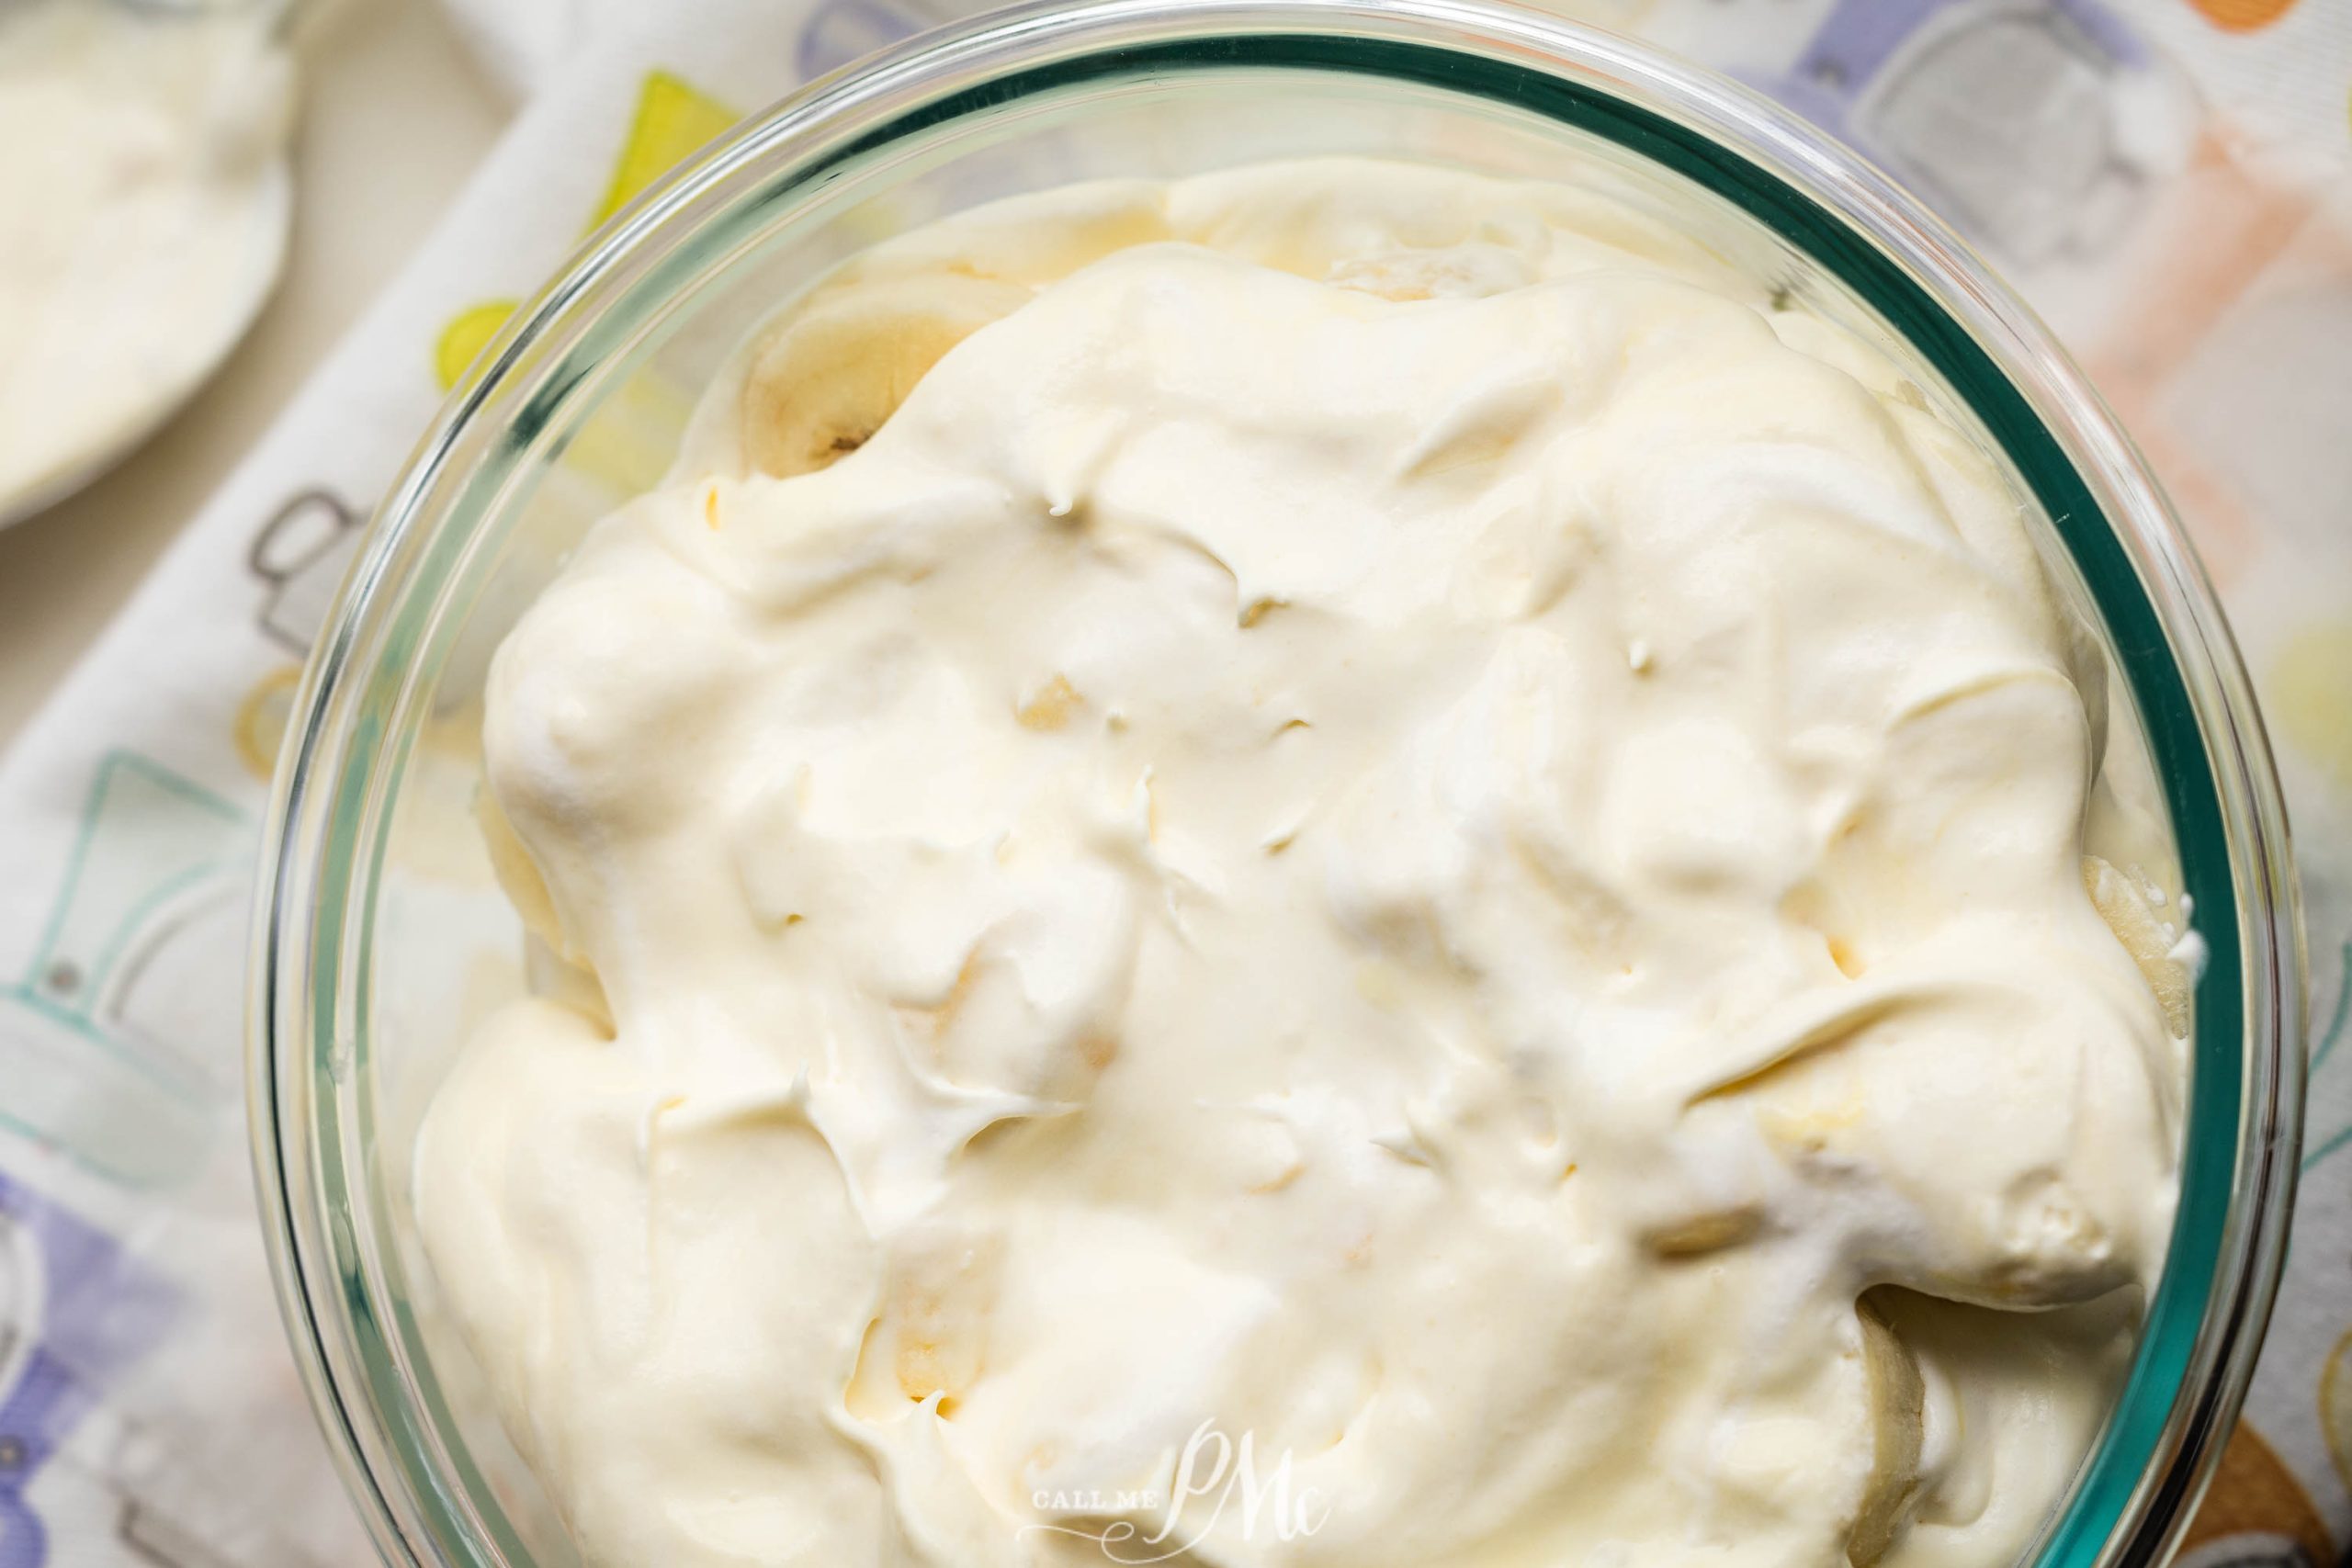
<point>380,932</point>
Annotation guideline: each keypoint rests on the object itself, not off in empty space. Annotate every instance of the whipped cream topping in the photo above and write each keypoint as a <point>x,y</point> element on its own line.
<point>1339,825</point>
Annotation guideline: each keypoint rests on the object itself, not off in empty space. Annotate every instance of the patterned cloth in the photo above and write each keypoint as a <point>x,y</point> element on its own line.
<point>2170,183</point>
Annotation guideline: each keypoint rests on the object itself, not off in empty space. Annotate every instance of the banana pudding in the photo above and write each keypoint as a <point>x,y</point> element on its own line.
<point>1338,864</point>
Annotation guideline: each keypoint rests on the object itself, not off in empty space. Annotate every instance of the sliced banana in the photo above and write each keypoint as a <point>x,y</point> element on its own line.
<point>2149,940</point>
<point>825,380</point>
<point>554,969</point>
<point>1036,238</point>
<point>518,874</point>
<point>1687,1235</point>
<point>829,377</point>
<point>930,1338</point>
<point>1898,1403</point>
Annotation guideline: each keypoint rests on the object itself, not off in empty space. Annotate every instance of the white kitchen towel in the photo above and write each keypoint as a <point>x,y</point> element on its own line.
<point>2172,183</point>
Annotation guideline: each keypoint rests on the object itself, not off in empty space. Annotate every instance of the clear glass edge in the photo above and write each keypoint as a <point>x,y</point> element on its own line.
<point>317,1271</point>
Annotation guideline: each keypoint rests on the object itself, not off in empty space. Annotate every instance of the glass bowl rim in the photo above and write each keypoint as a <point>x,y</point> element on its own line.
<point>2196,1353</point>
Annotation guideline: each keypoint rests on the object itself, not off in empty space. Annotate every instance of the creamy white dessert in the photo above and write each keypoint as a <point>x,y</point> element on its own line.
<point>1332,865</point>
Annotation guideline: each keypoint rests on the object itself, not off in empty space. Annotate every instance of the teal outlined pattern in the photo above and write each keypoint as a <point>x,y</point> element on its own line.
<point>85,1066</point>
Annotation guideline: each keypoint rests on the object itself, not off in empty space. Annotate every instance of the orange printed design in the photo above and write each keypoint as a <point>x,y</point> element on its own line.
<point>2209,362</point>
<point>2255,1508</point>
<point>2242,16</point>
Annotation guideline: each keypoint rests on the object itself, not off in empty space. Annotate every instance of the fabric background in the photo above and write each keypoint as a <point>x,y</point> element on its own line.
<point>2170,183</point>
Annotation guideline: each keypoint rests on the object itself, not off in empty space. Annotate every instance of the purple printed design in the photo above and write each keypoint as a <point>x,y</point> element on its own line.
<point>73,1313</point>
<point>1858,38</point>
<point>2026,122</point>
<point>840,32</point>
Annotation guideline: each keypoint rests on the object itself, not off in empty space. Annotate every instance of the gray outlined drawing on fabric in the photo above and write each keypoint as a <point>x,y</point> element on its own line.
<point>301,554</point>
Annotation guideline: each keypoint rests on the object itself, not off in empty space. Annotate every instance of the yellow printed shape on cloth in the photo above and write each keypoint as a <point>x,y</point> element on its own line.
<point>674,119</point>
<point>2335,1406</point>
<point>467,334</point>
<point>2310,696</point>
<point>259,728</point>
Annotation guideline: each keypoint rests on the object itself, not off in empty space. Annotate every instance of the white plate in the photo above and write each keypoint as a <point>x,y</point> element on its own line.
<point>154,263</point>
